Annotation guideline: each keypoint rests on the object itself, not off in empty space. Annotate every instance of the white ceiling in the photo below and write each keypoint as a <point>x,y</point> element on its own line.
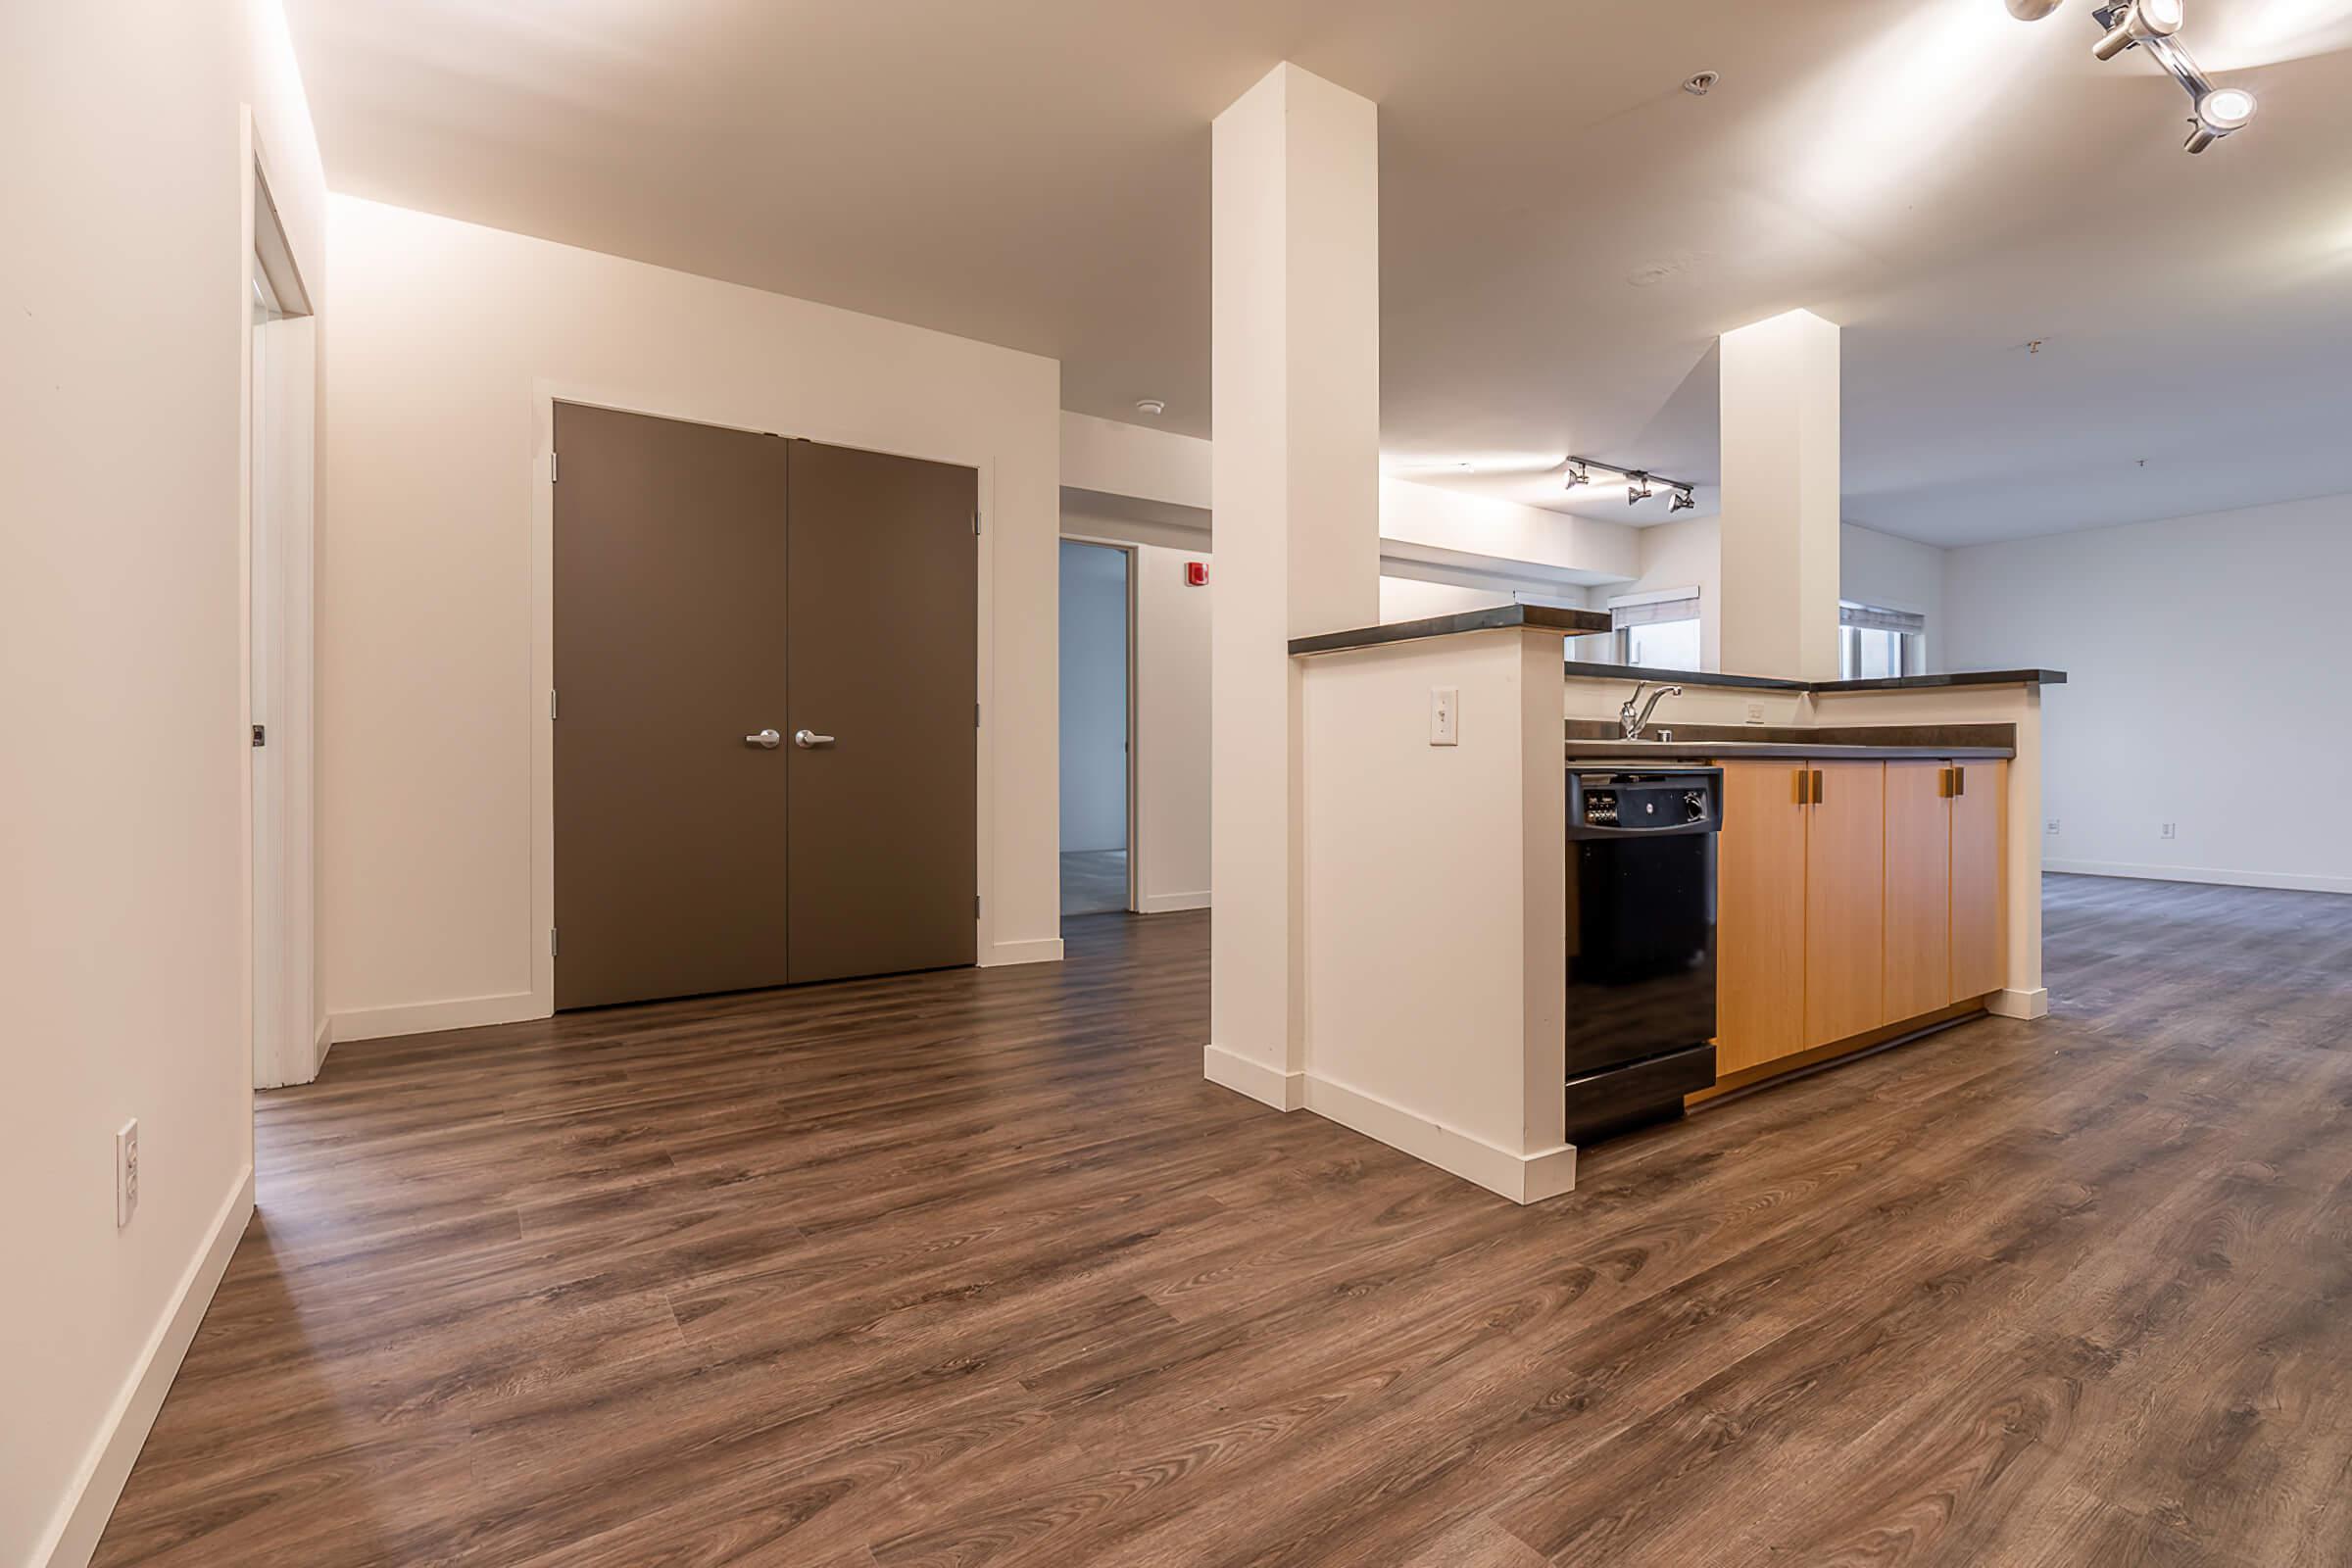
<point>1564,231</point>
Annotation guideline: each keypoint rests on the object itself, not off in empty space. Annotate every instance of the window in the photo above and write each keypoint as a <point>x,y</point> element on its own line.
<point>1879,644</point>
<point>1657,631</point>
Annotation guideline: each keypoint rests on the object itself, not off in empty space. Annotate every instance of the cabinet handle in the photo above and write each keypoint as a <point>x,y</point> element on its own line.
<point>1803,790</point>
<point>1944,783</point>
<point>1959,781</point>
<point>1817,786</point>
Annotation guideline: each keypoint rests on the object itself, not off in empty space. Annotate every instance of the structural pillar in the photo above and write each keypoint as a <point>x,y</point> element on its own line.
<point>1781,514</point>
<point>1295,493</point>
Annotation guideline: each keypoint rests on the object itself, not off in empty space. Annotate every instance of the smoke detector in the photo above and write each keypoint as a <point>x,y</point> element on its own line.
<point>1700,85</point>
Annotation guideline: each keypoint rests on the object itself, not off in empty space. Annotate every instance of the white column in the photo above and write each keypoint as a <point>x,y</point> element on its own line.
<point>1780,400</point>
<point>1295,492</point>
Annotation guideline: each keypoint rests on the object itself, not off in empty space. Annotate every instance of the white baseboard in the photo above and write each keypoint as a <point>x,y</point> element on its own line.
<point>1044,950</point>
<point>1244,1075</point>
<point>2213,876</point>
<point>2034,1003</point>
<point>424,1017</point>
<point>321,1043</point>
<point>80,1518</point>
<point>1171,903</point>
<point>1521,1178</point>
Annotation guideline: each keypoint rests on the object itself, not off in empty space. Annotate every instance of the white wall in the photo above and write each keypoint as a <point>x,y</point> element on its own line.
<point>1455,520</point>
<point>1093,697</point>
<point>1172,729</point>
<point>1414,599</point>
<point>2201,654</point>
<point>433,459</point>
<point>124,946</point>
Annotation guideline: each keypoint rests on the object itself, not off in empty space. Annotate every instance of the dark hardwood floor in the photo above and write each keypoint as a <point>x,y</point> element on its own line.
<point>972,1268</point>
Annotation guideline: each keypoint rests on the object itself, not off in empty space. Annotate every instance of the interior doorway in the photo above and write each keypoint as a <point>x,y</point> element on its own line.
<point>279,430</point>
<point>1098,728</point>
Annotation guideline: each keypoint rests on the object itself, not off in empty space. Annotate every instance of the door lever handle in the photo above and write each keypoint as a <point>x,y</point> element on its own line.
<point>805,739</point>
<point>767,737</point>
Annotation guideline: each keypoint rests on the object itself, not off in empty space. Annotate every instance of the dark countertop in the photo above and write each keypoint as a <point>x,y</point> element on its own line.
<point>1585,670</point>
<point>1590,622</point>
<point>1499,617</point>
<point>1636,752</point>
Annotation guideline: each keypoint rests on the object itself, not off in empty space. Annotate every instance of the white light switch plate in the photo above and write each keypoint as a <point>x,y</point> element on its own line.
<point>1444,722</point>
<point>1755,712</point>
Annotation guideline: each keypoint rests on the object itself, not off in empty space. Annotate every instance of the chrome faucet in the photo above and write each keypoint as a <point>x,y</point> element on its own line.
<point>1635,715</point>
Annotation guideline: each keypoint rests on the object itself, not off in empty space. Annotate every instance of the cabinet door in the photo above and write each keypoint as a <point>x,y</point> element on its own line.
<point>1845,865</point>
<point>1918,910</point>
<point>1761,915</point>
<point>1980,880</point>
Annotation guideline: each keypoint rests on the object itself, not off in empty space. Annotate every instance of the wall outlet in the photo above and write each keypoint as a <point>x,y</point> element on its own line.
<point>1755,712</point>
<point>2170,830</point>
<point>126,1172</point>
<point>2051,827</point>
<point>1445,720</point>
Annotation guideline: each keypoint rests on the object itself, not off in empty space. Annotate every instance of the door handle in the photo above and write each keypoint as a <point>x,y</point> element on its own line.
<point>767,737</point>
<point>809,739</point>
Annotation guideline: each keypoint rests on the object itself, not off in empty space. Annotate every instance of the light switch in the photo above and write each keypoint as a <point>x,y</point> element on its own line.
<point>1443,721</point>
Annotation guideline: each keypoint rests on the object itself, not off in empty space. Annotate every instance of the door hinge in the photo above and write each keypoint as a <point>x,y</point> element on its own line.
<point>975,519</point>
<point>975,905</point>
<point>551,703</point>
<point>261,735</point>
<point>551,468</point>
<point>975,715</point>
<point>555,948</point>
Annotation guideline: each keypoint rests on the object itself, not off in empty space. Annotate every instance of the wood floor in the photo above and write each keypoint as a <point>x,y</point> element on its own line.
<point>972,1268</point>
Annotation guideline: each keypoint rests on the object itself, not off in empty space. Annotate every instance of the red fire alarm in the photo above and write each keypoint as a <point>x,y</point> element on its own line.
<point>1195,573</point>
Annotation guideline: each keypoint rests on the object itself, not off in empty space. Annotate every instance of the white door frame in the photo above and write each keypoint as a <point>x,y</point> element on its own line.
<point>1135,571</point>
<point>274,550</point>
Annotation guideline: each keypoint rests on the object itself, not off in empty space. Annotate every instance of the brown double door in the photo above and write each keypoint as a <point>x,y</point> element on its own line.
<point>765,760</point>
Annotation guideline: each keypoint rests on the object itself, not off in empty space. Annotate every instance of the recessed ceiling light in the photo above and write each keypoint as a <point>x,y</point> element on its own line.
<point>1699,86</point>
<point>1154,406</point>
<point>1650,274</point>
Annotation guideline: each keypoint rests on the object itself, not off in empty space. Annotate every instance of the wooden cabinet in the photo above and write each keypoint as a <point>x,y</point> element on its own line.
<point>1853,897</point>
<point>1918,964</point>
<point>1761,915</point>
<point>1979,879</point>
<point>1846,874</point>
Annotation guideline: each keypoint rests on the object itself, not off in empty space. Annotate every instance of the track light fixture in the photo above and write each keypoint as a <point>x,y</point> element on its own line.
<point>2152,26</point>
<point>1639,485</point>
<point>2136,22</point>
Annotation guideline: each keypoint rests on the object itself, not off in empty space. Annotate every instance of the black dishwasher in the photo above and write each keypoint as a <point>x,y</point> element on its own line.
<point>1640,1015</point>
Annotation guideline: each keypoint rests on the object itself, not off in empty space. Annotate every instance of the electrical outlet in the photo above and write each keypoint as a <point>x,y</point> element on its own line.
<point>126,1172</point>
<point>2170,830</point>
<point>1755,712</point>
<point>2052,827</point>
<point>1444,722</point>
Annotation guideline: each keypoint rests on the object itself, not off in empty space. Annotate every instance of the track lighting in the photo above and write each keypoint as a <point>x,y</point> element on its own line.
<point>1639,485</point>
<point>2221,111</point>
<point>2136,22</point>
<point>2152,26</point>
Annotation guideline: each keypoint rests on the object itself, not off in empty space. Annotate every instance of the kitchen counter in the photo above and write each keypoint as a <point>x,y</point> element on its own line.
<point>1606,751</point>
